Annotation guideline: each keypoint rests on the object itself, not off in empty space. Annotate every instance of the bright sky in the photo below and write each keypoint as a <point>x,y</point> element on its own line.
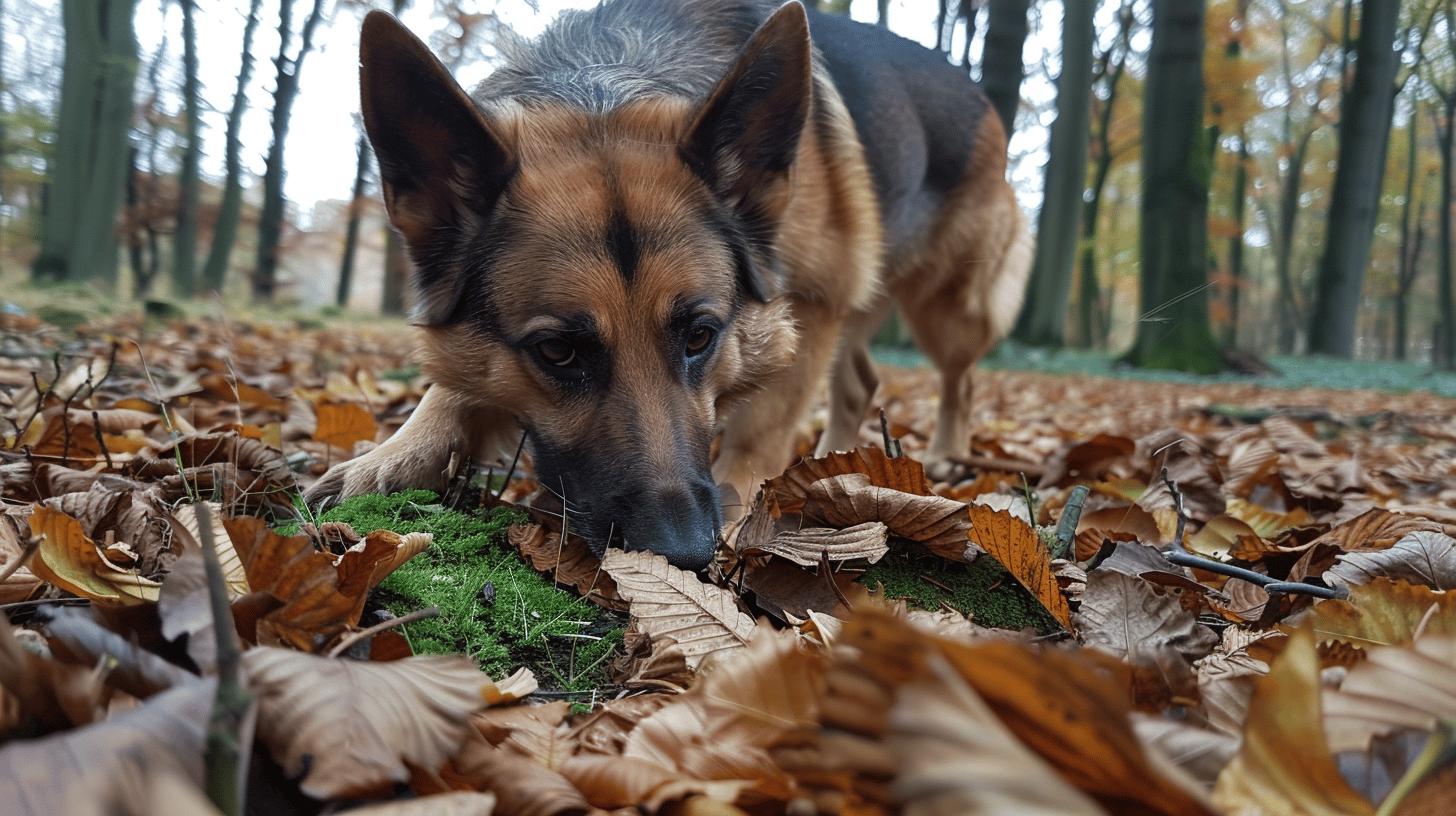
<point>320,151</point>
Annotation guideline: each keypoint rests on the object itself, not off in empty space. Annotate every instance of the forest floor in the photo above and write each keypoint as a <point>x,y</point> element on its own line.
<point>1138,596</point>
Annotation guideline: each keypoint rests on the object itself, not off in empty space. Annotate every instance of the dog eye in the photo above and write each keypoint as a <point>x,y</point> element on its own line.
<point>557,352</point>
<point>699,339</point>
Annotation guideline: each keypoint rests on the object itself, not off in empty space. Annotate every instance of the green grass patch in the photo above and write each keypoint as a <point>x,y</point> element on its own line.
<point>982,589</point>
<point>493,607</point>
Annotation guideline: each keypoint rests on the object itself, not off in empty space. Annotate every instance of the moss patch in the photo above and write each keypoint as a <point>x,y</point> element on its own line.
<point>493,607</point>
<point>982,589</point>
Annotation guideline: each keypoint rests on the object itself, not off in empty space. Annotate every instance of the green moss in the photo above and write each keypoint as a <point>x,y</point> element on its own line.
<point>982,589</point>
<point>521,619</point>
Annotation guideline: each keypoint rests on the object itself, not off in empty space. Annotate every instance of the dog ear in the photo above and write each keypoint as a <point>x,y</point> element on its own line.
<point>441,167</point>
<point>745,136</point>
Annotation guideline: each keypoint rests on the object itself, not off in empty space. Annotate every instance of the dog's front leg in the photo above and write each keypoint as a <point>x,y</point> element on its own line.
<point>758,435</point>
<point>419,453</point>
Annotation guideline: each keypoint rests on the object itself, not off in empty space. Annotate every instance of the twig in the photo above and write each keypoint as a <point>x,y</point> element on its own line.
<point>892,445</point>
<point>26,551</point>
<point>826,569</point>
<point>1067,524</point>
<point>225,757</point>
<point>510,471</point>
<point>417,615</point>
<point>101,440</point>
<point>1178,506</point>
<point>1030,499</point>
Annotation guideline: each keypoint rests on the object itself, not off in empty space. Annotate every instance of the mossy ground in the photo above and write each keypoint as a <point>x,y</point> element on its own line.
<point>982,589</point>
<point>566,641</point>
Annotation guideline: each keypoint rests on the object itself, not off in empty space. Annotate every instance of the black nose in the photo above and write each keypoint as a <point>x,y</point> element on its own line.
<point>680,521</point>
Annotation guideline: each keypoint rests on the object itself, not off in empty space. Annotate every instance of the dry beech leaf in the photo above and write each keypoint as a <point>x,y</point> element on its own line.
<point>702,619</point>
<point>314,609</point>
<point>1126,617</point>
<point>22,585</point>
<point>1375,529</point>
<point>1396,687</point>
<point>738,709</point>
<point>69,559</point>
<point>851,499</point>
<point>569,562</point>
<point>1199,752</point>
<point>1226,678</point>
<point>1224,535</point>
<point>350,726</point>
<point>513,689</point>
<point>956,757</point>
<point>786,493</point>
<point>1284,765</point>
<point>51,696</point>
<point>456,803</point>
<point>341,424</point>
<point>1422,557</point>
<point>1266,523</point>
<point>1124,523</point>
<point>522,787</point>
<point>1015,545</point>
<point>809,546</point>
<point>369,561</point>
<point>75,772</point>
<point>621,782</point>
<point>1384,613</point>
<point>1088,459</point>
<point>605,730</point>
<point>233,574</point>
<point>185,608</point>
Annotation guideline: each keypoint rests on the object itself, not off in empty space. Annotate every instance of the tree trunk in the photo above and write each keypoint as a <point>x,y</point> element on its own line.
<point>1284,249</point>
<point>1173,331</point>
<point>1236,241</point>
<point>1044,318</point>
<point>1406,265</point>
<point>968,13</point>
<point>942,11</point>
<point>1444,353</point>
<point>184,245</point>
<point>270,221</point>
<point>1001,67</point>
<point>351,233</point>
<point>882,18</point>
<point>88,170</point>
<point>1355,200</point>
<point>224,235</point>
<point>396,274</point>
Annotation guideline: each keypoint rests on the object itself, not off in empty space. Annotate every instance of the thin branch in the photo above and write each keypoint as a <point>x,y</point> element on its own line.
<point>226,756</point>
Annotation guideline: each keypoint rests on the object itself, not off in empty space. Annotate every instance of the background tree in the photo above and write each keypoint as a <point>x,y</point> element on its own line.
<point>285,91</point>
<point>1001,58</point>
<point>184,244</point>
<point>1044,317</point>
<point>88,175</point>
<point>225,232</point>
<point>1174,329</point>
<point>356,207</point>
<point>1364,128</point>
<point>1440,78</point>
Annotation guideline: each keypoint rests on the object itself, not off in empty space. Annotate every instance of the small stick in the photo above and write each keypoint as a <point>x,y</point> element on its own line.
<point>510,471</point>
<point>26,551</point>
<point>1067,524</point>
<point>827,571</point>
<point>225,758</point>
<point>892,445</point>
<point>417,615</point>
<point>1178,506</point>
<point>100,440</point>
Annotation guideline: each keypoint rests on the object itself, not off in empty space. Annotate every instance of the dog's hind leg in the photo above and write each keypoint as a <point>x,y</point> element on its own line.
<point>853,380</point>
<point>962,300</point>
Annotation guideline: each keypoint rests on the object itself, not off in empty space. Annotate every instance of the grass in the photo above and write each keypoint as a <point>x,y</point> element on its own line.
<point>982,589</point>
<point>1293,372</point>
<point>493,607</point>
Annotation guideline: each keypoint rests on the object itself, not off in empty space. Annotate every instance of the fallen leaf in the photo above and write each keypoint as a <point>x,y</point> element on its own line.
<point>852,499</point>
<point>1395,687</point>
<point>314,609</point>
<point>1382,613</point>
<point>1422,557</point>
<point>52,696</point>
<point>622,782</point>
<point>350,726</point>
<point>703,619</point>
<point>1223,536</point>
<point>341,424</point>
<point>1126,617</point>
<point>1200,752</point>
<point>1284,765</point>
<point>808,547</point>
<point>520,785</point>
<point>21,585</point>
<point>1267,524</point>
<point>1015,545</point>
<point>956,757</point>
<point>69,559</point>
<point>787,492</point>
<point>1226,678</point>
<point>457,803</point>
<point>1375,529</point>
<point>1124,523</point>
<point>569,562</point>
<point>371,560</point>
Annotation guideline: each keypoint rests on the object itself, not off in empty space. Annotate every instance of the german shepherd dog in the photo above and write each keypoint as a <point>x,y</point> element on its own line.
<point>665,220</point>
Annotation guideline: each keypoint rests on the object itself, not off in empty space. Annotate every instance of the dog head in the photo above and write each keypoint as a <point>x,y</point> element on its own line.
<point>606,277</point>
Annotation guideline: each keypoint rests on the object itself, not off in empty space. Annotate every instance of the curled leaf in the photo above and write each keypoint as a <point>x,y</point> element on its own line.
<point>667,602</point>
<point>69,559</point>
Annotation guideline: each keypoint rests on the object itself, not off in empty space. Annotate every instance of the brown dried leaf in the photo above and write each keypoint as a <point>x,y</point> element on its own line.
<point>622,782</point>
<point>935,521</point>
<point>372,559</point>
<point>668,602</point>
<point>1422,557</point>
<point>1126,617</point>
<point>1226,678</point>
<point>568,562</point>
<point>1202,753</point>
<point>1285,765</point>
<point>1383,613</point>
<point>1224,535</point>
<point>1375,529</point>
<point>787,493</point>
<point>1124,523</point>
<point>21,585</point>
<point>521,787</point>
<point>51,696</point>
<point>1015,545</point>
<point>69,559</point>
<point>809,546</point>
<point>341,424</point>
<point>314,609</point>
<point>456,803</point>
<point>1396,687</point>
<point>956,757</point>
<point>350,726</point>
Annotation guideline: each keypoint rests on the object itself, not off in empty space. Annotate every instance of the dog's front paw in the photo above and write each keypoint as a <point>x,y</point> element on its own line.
<point>386,469</point>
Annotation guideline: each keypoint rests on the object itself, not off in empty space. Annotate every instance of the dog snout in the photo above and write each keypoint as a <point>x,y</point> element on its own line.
<point>679,521</point>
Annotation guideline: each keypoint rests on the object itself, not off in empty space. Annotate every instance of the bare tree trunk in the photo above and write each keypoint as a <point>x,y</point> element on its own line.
<point>1001,66</point>
<point>1444,354</point>
<point>1173,331</point>
<point>396,274</point>
<point>351,233</point>
<point>1355,201</point>
<point>184,241</point>
<point>270,222</point>
<point>1044,318</point>
<point>1236,241</point>
<point>1284,248</point>
<point>942,11</point>
<point>225,233</point>
<point>882,18</point>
